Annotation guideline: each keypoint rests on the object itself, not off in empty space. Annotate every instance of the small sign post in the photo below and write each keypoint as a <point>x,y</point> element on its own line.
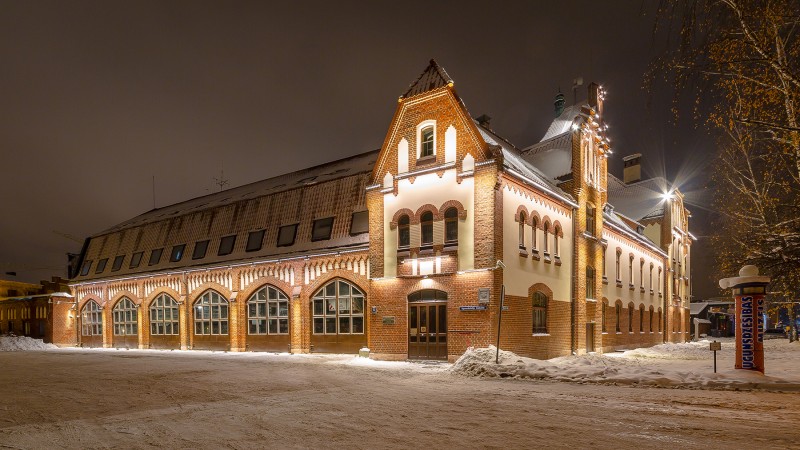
<point>715,346</point>
<point>499,320</point>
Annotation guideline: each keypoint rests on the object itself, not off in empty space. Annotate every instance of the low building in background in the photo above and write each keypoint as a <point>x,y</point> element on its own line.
<point>406,249</point>
<point>42,311</point>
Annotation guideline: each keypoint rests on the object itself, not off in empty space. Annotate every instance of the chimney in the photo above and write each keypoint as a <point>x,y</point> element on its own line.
<point>632,171</point>
<point>559,103</point>
<point>484,120</point>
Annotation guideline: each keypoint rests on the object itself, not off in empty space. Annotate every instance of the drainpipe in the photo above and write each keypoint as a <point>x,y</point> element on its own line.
<point>573,281</point>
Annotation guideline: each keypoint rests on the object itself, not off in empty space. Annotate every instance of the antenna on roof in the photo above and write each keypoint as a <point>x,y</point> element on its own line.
<point>577,82</point>
<point>221,181</point>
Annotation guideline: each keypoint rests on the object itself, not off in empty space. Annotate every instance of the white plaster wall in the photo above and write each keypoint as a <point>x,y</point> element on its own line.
<point>625,294</point>
<point>521,272</point>
<point>429,188</point>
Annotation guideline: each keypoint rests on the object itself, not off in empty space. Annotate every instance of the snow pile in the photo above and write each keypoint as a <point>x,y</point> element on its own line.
<point>667,365</point>
<point>22,343</point>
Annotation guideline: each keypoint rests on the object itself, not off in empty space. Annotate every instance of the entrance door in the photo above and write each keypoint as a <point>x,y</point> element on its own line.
<point>427,330</point>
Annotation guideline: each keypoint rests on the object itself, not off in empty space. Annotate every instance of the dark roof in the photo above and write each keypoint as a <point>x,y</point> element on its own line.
<point>433,77</point>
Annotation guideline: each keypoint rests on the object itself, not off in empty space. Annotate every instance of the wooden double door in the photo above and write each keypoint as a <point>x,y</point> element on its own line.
<point>427,330</point>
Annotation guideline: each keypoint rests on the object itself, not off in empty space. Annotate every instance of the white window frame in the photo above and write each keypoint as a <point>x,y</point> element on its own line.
<point>420,126</point>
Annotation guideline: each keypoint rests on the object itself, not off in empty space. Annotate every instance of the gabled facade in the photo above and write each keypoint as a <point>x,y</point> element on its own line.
<point>407,250</point>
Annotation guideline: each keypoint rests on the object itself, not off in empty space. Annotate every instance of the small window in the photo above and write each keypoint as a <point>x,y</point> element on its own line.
<point>603,316</point>
<point>618,316</point>
<point>117,263</point>
<point>136,259</point>
<point>522,218</point>
<point>177,253</point>
<point>86,266</point>
<point>630,318</point>
<point>403,232</point>
<point>427,142</point>
<point>590,283</point>
<point>286,235</point>
<point>451,226</point>
<point>200,248</point>
<point>101,265</point>
<point>155,256</point>
<point>322,229</point>
<point>426,226</point>
<point>226,245</point>
<point>539,303</point>
<point>359,223</point>
<point>254,241</point>
<point>590,221</point>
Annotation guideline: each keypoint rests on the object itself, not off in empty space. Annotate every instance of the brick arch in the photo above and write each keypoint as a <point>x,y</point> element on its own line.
<point>558,229</point>
<point>417,218</point>
<point>462,213</point>
<point>162,290</point>
<point>245,294</point>
<point>618,302</point>
<point>535,215</point>
<point>87,299</point>
<point>521,209</point>
<point>544,289</point>
<point>114,300</point>
<point>547,224</point>
<point>396,217</point>
<point>322,281</point>
<point>197,293</point>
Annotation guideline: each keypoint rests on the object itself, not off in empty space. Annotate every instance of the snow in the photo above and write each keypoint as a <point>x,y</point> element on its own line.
<point>22,343</point>
<point>683,365</point>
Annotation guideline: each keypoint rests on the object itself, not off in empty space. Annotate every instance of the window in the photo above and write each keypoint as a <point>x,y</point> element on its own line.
<point>211,314</point>
<point>427,142</point>
<point>605,275</point>
<point>286,235</point>
<point>91,319</point>
<point>200,248</point>
<point>125,319</point>
<point>618,266</point>
<point>268,312</point>
<point>522,218</point>
<point>630,270</point>
<point>660,321</point>
<point>590,283</point>
<point>403,232</point>
<point>322,229</point>
<point>226,245</point>
<point>101,265</point>
<point>451,225</point>
<point>641,274</point>
<point>590,221</point>
<point>177,253</point>
<point>117,263</point>
<point>539,305</point>
<point>641,318</point>
<point>651,319</point>
<point>630,318</point>
<point>659,281</point>
<point>155,256</point>
<point>556,232</point>
<point>546,239</point>
<point>426,228</point>
<point>534,234</point>
<point>136,259</point>
<point>254,241</point>
<point>618,314</point>
<point>86,266</point>
<point>164,316</point>
<point>651,279</point>
<point>338,309</point>
<point>603,316</point>
<point>359,223</point>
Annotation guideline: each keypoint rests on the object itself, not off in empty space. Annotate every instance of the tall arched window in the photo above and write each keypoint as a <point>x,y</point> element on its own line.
<point>641,274</point>
<point>125,320</point>
<point>164,316</point>
<point>539,304</point>
<point>590,291</point>
<point>403,232</point>
<point>660,320</point>
<point>534,234</point>
<point>641,318</point>
<point>619,269</point>
<point>556,232</point>
<point>651,279</point>
<point>522,218</point>
<point>630,270</point>
<point>630,317</point>
<point>651,318</point>
<point>91,319</point>
<point>603,307</point>
<point>451,226</point>
<point>211,314</point>
<point>268,312</point>
<point>618,314</point>
<point>426,228</point>
<point>426,137</point>
<point>338,309</point>
<point>546,243</point>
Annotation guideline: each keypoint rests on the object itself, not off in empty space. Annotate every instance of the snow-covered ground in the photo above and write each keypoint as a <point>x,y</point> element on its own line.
<point>22,343</point>
<point>102,398</point>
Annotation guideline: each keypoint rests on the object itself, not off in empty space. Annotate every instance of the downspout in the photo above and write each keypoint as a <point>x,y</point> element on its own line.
<point>573,281</point>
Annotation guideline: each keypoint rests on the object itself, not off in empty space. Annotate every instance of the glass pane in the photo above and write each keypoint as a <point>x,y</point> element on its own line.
<point>251,310</point>
<point>253,329</point>
<point>358,324</point>
<point>262,326</point>
<point>331,308</point>
<point>206,327</point>
<point>412,318</point>
<point>224,327</point>
<point>330,325</point>
<point>358,305</point>
<point>153,329</point>
<point>283,311</point>
<point>273,309</point>
<point>442,320</point>
<point>168,328</point>
<point>283,326</point>
<point>215,327</point>
<point>273,326</point>
<point>215,312</point>
<point>198,328</point>
<point>273,294</point>
<point>223,311</point>
<point>344,324</point>
<point>344,289</point>
<point>318,326</point>
<point>330,290</point>
<point>344,306</point>
<point>318,307</point>
<point>432,327</point>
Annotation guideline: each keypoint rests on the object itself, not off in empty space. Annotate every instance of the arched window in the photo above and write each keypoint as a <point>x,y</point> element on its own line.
<point>619,269</point>
<point>539,304</point>
<point>641,274</point>
<point>659,281</point>
<point>651,319</point>
<point>211,314</point>
<point>590,219</point>
<point>546,239</point>
<point>403,232</point>
<point>534,234</point>
<point>339,309</point>
<point>618,313</point>
<point>605,273</point>
<point>590,291</point>
<point>630,270</point>
<point>426,228</point>
<point>651,280</point>
<point>641,318</point>
<point>603,307</point>
<point>164,316</point>
<point>91,319</point>
<point>555,240</point>
<point>426,138</point>
<point>451,225</point>
<point>125,320</point>
<point>268,312</point>
<point>522,218</point>
<point>630,317</point>
<point>660,320</point>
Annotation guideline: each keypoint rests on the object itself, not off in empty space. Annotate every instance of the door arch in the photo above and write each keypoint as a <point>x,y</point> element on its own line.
<point>427,324</point>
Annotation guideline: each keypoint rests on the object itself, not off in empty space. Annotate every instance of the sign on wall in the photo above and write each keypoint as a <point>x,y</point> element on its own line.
<point>484,295</point>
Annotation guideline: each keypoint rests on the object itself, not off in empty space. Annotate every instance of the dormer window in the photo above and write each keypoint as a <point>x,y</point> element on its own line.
<point>427,142</point>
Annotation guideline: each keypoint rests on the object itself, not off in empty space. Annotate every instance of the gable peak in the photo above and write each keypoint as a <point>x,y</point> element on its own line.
<point>434,76</point>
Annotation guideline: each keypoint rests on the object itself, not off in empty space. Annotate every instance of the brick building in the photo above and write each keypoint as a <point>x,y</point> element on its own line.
<point>42,311</point>
<point>404,250</point>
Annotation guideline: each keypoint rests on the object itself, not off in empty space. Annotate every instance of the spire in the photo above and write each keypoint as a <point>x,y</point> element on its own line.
<point>431,78</point>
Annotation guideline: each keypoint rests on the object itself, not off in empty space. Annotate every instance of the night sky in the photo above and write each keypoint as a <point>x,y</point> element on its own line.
<point>97,98</point>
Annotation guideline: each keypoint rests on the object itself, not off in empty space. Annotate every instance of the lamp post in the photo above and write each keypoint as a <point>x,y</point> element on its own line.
<point>748,290</point>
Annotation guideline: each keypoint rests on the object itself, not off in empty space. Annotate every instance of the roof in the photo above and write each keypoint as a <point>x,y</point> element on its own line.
<point>553,154</point>
<point>640,200</point>
<point>433,77</point>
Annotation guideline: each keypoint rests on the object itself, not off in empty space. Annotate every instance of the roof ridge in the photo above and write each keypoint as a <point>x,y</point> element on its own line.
<point>436,78</point>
